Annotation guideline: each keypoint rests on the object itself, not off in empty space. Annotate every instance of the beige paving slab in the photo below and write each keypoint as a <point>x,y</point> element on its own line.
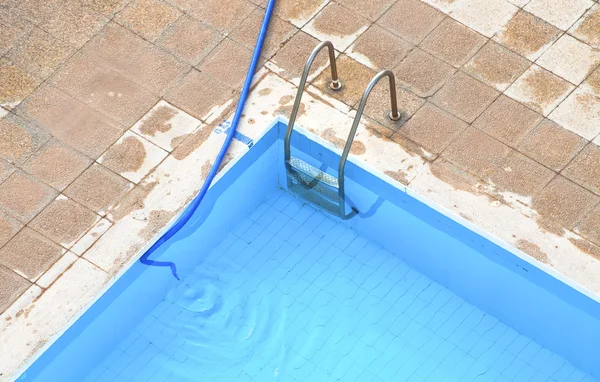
<point>560,13</point>
<point>337,24</point>
<point>586,28</point>
<point>580,113</point>
<point>570,59</point>
<point>484,16</point>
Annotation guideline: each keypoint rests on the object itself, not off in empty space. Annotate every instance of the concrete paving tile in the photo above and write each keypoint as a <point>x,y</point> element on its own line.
<point>552,145</point>
<point>71,22</point>
<point>354,76</point>
<point>190,39</point>
<point>580,113</point>
<point>371,9</point>
<point>56,270</point>
<point>521,175</point>
<point>23,197</point>
<point>496,66</point>
<point>115,47</point>
<point>432,128</point>
<point>296,51</point>
<point>223,15</point>
<point>423,73</point>
<point>15,84</point>
<point>484,16</point>
<point>98,189</point>
<point>570,59</point>
<point>280,31</point>
<point>132,157</point>
<point>564,202</point>
<point>11,34</point>
<point>465,97</point>
<point>560,13</point>
<point>87,240</point>
<point>148,18</point>
<point>5,170</point>
<point>539,89</point>
<point>298,12</point>
<point>198,93</point>
<point>445,6</point>
<point>3,112</point>
<point>453,42</point>
<point>587,27</point>
<point>228,63</point>
<point>166,126</point>
<point>379,105</point>
<point>30,254</point>
<point>528,35</point>
<point>107,8</point>
<point>337,24</point>
<point>412,20</point>
<point>64,221</point>
<point>11,287</point>
<point>590,227</point>
<point>508,121</point>
<point>585,168</point>
<point>156,70</point>
<point>19,139</point>
<point>476,152</point>
<point>70,121</point>
<point>40,53</point>
<point>379,49</point>
<point>8,228</point>
<point>592,83</point>
<point>56,165</point>
<point>105,90</point>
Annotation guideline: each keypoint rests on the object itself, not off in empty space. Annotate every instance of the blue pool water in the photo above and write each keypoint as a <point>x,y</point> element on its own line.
<point>292,295</point>
<point>273,289</point>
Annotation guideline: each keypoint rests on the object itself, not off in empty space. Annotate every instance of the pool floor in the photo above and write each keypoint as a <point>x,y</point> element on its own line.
<point>293,295</point>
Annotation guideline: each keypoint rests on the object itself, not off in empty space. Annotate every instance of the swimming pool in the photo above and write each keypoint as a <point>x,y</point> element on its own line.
<point>273,289</point>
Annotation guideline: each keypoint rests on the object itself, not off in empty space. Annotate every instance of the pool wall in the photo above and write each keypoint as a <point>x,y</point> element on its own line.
<point>476,267</point>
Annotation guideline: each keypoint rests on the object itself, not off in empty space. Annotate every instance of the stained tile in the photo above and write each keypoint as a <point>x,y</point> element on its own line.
<point>521,175</point>
<point>166,126</point>
<point>280,31</point>
<point>132,157</point>
<point>71,22</point>
<point>337,24</point>
<point>15,84</point>
<point>528,35</point>
<point>476,152</point>
<point>64,221</point>
<point>465,97</point>
<point>580,113</point>
<point>56,165</point>
<point>24,197</point>
<point>298,12</point>
<point>422,73</point>
<point>19,139</point>
<point>107,8</point>
<point>11,34</point>
<point>70,121</point>
<point>570,59</point>
<point>223,15</point>
<point>228,63</point>
<point>484,16</point>
<point>586,29</point>
<point>40,53</point>
<point>453,42</point>
<point>199,94</point>
<point>379,49</point>
<point>371,9</point>
<point>8,228</point>
<point>560,13</point>
<point>354,76</point>
<point>156,70</point>
<point>508,121</point>
<point>592,83</point>
<point>585,168</point>
<point>30,254</point>
<point>190,39</point>
<point>98,189</point>
<point>539,89</point>
<point>496,66</point>
<point>590,227</point>
<point>564,202</point>
<point>11,287</point>
<point>552,145</point>
<point>432,128</point>
<point>411,19</point>
<point>296,51</point>
<point>148,18</point>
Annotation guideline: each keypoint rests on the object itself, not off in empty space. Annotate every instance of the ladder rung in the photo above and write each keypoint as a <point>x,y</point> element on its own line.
<point>313,173</point>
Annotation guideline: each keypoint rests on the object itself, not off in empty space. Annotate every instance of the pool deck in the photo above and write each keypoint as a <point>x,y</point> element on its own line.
<point>110,113</point>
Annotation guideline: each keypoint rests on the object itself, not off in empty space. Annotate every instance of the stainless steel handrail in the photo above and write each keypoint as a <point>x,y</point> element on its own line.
<point>394,116</point>
<point>334,85</point>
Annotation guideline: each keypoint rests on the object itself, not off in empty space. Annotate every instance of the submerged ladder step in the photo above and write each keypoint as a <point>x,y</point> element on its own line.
<point>313,173</point>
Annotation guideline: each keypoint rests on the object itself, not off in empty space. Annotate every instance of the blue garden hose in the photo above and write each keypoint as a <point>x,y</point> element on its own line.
<point>189,211</point>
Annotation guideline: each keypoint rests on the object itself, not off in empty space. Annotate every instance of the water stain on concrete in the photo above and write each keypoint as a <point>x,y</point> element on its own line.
<point>590,28</point>
<point>193,141</point>
<point>587,247</point>
<point>399,176</point>
<point>533,250</point>
<point>205,169</point>
<point>544,87</point>
<point>157,220</point>
<point>265,92</point>
<point>158,122</point>
<point>358,148</point>
<point>133,201</point>
<point>127,156</point>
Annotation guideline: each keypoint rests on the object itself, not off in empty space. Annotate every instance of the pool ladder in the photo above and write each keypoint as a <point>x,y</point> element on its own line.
<point>310,183</point>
